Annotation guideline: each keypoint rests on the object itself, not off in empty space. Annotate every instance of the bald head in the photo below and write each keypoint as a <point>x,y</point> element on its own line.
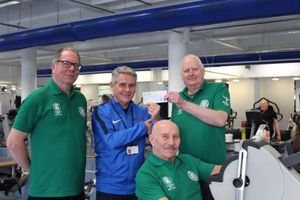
<point>163,125</point>
<point>165,139</point>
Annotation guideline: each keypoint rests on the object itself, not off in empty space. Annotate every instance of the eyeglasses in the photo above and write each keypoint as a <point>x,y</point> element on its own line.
<point>68,64</point>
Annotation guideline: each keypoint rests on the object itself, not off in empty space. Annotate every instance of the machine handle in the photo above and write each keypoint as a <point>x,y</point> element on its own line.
<point>240,181</point>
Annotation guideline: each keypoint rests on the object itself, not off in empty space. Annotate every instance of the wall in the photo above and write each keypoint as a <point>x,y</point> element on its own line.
<point>10,74</point>
<point>242,96</point>
<point>90,92</point>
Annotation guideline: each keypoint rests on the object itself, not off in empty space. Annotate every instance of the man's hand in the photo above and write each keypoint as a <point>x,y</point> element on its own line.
<point>154,111</point>
<point>174,97</point>
<point>148,125</point>
<point>278,136</point>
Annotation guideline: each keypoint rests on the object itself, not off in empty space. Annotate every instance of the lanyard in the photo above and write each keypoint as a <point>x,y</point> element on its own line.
<point>124,124</point>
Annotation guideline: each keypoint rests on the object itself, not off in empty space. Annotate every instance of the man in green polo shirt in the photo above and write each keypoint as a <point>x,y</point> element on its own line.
<point>54,117</point>
<point>201,111</point>
<point>166,175</point>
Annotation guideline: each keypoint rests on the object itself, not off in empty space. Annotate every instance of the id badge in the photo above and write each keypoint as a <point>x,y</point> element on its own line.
<point>132,150</point>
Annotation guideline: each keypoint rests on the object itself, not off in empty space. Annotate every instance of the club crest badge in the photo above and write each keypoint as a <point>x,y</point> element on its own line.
<point>168,183</point>
<point>192,176</point>
<point>56,109</point>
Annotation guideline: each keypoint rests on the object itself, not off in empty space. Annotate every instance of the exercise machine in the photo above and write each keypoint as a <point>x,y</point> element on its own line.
<point>258,172</point>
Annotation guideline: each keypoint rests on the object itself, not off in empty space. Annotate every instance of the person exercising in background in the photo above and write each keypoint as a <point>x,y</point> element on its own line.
<point>269,116</point>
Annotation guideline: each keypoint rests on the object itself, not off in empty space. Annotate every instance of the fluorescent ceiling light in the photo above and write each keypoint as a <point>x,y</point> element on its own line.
<point>275,79</point>
<point>218,80</point>
<point>4,82</point>
<point>8,3</point>
<point>296,78</point>
<point>235,80</point>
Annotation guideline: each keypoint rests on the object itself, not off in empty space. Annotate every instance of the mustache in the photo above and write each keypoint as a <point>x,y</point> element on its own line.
<point>171,147</point>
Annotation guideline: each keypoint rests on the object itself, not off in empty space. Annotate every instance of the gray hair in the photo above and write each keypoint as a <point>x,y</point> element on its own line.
<point>195,58</point>
<point>122,70</point>
<point>59,52</point>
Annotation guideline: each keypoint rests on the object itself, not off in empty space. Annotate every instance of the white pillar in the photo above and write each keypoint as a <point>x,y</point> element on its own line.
<point>28,71</point>
<point>177,50</point>
<point>156,78</point>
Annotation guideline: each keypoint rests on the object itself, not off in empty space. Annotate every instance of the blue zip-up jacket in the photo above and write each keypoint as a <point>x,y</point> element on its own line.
<point>114,130</point>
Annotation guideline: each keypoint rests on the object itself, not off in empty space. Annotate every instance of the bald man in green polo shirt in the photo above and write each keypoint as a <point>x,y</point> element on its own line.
<point>166,175</point>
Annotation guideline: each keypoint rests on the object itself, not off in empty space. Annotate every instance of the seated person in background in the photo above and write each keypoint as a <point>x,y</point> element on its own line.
<point>167,175</point>
<point>262,133</point>
<point>296,140</point>
<point>269,116</point>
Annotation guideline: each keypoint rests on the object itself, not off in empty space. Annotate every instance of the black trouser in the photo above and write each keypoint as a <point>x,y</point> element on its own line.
<point>205,190</point>
<point>77,197</point>
<point>106,196</point>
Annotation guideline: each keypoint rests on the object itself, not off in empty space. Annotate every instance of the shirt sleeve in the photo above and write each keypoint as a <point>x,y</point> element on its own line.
<point>148,187</point>
<point>204,169</point>
<point>222,99</point>
<point>104,130</point>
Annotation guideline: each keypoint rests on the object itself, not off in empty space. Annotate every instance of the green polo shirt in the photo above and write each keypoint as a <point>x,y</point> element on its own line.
<point>158,178</point>
<point>199,139</point>
<point>56,123</point>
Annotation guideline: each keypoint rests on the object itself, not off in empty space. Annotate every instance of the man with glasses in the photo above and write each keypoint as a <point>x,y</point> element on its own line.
<point>54,117</point>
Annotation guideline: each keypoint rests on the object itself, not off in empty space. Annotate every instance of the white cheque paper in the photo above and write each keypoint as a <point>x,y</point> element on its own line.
<point>154,97</point>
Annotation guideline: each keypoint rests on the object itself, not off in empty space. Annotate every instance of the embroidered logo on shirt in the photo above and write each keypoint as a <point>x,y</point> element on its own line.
<point>179,112</point>
<point>204,103</point>
<point>115,121</point>
<point>56,109</point>
<point>168,183</point>
<point>193,176</point>
<point>81,111</point>
<point>225,101</point>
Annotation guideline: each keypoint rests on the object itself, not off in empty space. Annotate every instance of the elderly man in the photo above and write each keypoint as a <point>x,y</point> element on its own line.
<point>167,175</point>
<point>269,117</point>
<point>120,128</point>
<point>200,111</point>
<point>55,118</point>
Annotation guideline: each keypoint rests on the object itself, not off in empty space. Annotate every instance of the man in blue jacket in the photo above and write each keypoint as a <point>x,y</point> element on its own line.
<point>120,128</point>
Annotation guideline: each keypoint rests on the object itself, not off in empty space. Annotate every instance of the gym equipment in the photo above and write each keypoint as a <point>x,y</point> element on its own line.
<point>259,172</point>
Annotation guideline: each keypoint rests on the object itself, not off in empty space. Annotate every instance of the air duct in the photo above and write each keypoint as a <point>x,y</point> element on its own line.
<point>203,12</point>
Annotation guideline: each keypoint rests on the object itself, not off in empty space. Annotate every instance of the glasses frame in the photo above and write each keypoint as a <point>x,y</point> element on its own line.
<point>67,64</point>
